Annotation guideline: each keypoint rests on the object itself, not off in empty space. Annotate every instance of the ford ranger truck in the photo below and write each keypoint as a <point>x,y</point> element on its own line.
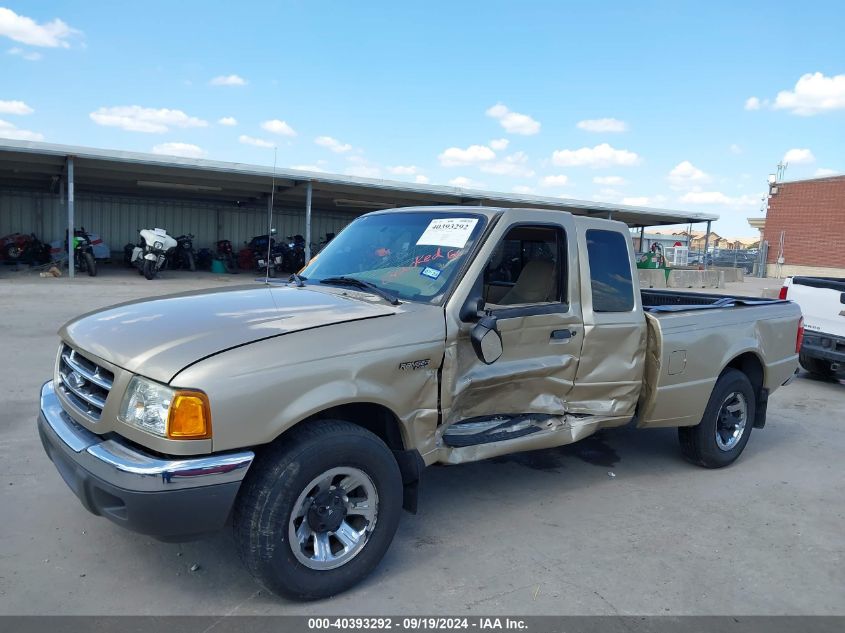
<point>822,301</point>
<point>305,411</point>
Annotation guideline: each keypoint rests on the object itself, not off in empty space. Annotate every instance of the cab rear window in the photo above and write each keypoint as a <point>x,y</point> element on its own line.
<point>610,271</point>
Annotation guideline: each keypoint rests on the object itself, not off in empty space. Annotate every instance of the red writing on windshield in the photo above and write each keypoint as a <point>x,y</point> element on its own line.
<point>438,254</point>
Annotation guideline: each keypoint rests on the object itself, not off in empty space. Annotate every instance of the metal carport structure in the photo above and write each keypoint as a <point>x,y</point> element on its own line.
<point>66,171</point>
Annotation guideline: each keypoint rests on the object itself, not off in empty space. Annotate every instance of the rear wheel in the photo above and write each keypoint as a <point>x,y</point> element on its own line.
<point>816,366</point>
<point>318,511</point>
<point>721,436</point>
<point>90,264</point>
<point>149,269</point>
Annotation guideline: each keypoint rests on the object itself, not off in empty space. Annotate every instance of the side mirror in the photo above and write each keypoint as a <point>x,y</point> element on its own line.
<point>486,340</point>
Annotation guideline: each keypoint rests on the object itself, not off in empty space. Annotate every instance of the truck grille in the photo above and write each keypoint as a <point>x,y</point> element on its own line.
<point>84,384</point>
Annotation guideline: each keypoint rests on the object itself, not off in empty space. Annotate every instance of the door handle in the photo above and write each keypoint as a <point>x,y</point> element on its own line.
<point>562,335</point>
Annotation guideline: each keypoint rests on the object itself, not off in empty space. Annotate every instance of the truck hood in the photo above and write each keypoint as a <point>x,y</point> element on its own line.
<point>159,337</point>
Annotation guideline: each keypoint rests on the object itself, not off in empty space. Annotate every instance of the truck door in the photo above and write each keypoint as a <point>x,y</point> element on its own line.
<point>610,371</point>
<point>525,278</point>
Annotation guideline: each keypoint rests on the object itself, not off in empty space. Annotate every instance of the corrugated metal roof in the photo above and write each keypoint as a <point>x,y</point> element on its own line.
<point>102,167</point>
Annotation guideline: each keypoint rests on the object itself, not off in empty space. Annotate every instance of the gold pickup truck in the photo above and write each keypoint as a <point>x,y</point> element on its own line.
<point>306,410</point>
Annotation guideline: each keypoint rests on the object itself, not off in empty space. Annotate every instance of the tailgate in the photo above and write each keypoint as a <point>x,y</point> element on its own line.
<point>822,302</point>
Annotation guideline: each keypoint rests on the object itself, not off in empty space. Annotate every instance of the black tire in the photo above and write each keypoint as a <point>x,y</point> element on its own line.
<point>816,366</point>
<point>699,443</point>
<point>192,264</point>
<point>149,269</point>
<point>229,265</point>
<point>262,513</point>
<point>90,264</point>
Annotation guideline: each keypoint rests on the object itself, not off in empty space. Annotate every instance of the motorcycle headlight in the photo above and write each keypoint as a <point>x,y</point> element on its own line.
<point>158,245</point>
<point>188,245</point>
<point>165,412</point>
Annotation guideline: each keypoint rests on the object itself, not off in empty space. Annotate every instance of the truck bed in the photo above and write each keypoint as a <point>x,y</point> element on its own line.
<point>657,301</point>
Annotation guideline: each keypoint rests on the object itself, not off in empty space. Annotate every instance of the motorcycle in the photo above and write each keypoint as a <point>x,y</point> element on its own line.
<point>19,248</point>
<point>226,254</point>
<point>151,254</point>
<point>295,254</point>
<point>83,252</point>
<point>183,255</point>
<point>258,247</point>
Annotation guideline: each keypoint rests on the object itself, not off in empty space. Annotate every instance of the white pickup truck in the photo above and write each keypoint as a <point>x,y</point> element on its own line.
<point>822,300</point>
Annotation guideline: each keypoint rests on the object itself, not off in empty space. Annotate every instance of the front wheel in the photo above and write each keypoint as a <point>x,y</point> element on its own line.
<point>90,264</point>
<point>721,436</point>
<point>318,510</point>
<point>192,264</point>
<point>149,269</point>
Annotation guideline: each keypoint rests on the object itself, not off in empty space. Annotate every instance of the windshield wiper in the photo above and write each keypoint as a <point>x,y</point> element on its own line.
<point>363,285</point>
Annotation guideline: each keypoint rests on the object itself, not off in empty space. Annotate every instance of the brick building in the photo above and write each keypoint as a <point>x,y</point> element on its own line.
<point>809,215</point>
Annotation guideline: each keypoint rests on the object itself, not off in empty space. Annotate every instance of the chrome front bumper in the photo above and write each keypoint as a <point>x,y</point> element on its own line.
<point>166,497</point>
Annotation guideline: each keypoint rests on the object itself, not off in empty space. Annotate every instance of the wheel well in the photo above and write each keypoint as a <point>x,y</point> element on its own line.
<point>375,418</point>
<point>750,365</point>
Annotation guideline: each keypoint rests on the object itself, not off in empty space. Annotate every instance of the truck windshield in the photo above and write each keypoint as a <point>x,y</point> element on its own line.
<point>414,256</point>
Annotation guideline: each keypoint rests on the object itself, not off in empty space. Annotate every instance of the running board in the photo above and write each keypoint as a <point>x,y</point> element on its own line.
<point>496,429</point>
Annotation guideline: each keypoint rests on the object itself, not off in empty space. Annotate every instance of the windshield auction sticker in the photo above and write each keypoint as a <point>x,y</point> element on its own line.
<point>453,232</point>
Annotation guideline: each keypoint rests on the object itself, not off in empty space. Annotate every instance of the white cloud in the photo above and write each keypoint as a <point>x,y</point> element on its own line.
<point>53,34</point>
<point>555,181</point>
<point>798,156</point>
<point>403,170</point>
<point>513,122</point>
<point>257,142</point>
<point>15,107</point>
<point>364,171</point>
<point>278,127</point>
<point>228,80</point>
<point>610,180</point>
<point>463,181</point>
<point>316,168</point>
<point>186,150</point>
<point>813,93</point>
<point>513,165</point>
<point>474,154</point>
<point>332,144</point>
<point>137,119</point>
<point>824,171</point>
<point>599,156</point>
<point>644,201</point>
<point>499,144</point>
<point>752,103</point>
<point>736,149</point>
<point>717,197</point>
<point>421,180</point>
<point>603,125</point>
<point>8,130</point>
<point>523,189</point>
<point>227,120</point>
<point>686,175</point>
<point>30,56</point>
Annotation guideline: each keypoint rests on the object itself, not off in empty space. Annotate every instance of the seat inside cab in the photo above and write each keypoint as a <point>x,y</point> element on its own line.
<point>524,268</point>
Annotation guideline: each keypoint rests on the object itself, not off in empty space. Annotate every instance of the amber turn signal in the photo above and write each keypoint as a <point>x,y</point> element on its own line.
<point>190,416</point>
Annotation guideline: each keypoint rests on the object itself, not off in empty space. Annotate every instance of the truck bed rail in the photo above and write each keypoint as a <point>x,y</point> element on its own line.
<point>655,301</point>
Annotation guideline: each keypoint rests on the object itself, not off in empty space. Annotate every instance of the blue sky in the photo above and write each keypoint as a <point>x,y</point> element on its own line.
<point>666,104</point>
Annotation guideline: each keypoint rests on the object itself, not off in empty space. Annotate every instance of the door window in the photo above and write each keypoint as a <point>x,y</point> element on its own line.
<point>525,268</point>
<point>610,271</point>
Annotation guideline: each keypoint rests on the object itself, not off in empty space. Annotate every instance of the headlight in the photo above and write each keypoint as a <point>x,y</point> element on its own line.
<point>158,245</point>
<point>165,412</point>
